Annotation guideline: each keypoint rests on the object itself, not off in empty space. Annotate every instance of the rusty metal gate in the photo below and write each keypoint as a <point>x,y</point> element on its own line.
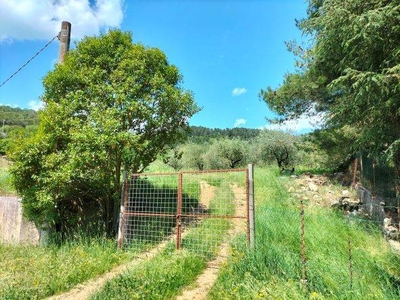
<point>190,209</point>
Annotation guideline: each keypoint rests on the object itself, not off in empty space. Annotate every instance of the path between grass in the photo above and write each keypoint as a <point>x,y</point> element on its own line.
<point>90,287</point>
<point>205,281</point>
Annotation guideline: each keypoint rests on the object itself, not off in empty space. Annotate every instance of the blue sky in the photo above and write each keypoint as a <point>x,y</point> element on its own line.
<point>226,50</point>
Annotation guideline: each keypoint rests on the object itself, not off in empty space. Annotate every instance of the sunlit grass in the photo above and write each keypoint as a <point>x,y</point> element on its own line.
<point>163,277</point>
<point>274,269</point>
<point>32,272</point>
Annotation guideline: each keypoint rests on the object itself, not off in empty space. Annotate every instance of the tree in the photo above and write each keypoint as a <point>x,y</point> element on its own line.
<point>193,156</point>
<point>225,153</point>
<point>111,106</point>
<point>350,71</point>
<point>278,146</point>
<point>173,158</point>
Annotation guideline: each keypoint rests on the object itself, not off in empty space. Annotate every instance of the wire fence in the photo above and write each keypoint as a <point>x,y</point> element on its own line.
<point>356,246</point>
<point>194,210</point>
<point>324,248</point>
<point>376,175</point>
<point>376,183</point>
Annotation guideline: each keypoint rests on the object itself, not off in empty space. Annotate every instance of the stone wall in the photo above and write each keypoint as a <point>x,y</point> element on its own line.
<point>14,229</point>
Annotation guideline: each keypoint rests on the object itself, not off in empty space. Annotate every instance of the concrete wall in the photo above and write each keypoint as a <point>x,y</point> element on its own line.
<point>14,229</point>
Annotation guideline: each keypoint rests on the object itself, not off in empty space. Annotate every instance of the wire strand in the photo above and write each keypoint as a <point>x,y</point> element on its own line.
<point>37,53</point>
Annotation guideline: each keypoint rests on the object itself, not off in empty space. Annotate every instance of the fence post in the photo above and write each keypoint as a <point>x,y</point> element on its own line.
<point>350,262</point>
<point>250,212</point>
<point>303,246</point>
<point>121,212</point>
<point>178,213</point>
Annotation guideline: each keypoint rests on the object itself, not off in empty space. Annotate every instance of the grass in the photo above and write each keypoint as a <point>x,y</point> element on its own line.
<point>273,270</point>
<point>163,277</point>
<point>29,272</point>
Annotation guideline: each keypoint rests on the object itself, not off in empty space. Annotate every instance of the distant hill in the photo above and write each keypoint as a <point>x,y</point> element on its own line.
<point>199,134</point>
<point>17,116</point>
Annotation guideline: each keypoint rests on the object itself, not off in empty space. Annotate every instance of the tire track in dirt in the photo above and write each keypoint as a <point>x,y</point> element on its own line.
<point>207,279</point>
<point>86,289</point>
<point>204,282</point>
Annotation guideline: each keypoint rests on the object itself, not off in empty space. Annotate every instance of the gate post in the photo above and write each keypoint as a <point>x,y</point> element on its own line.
<point>179,212</point>
<point>121,212</point>
<point>250,212</point>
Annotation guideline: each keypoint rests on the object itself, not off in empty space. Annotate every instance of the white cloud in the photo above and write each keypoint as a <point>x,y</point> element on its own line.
<point>238,91</point>
<point>35,105</point>
<point>33,19</point>
<point>239,122</point>
<point>301,125</point>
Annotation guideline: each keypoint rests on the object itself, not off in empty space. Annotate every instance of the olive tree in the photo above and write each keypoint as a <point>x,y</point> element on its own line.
<point>193,156</point>
<point>278,146</point>
<point>226,153</point>
<point>111,106</point>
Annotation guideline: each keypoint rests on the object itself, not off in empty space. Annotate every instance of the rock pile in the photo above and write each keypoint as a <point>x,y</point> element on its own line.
<point>319,190</point>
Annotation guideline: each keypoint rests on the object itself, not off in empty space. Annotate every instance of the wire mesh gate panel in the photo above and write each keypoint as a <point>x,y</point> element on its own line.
<point>194,210</point>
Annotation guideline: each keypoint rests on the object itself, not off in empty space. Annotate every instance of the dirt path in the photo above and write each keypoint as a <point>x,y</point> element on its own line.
<point>204,282</point>
<point>85,290</point>
<point>207,279</point>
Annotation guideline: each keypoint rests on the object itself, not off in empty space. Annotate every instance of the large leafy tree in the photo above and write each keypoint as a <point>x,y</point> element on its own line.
<point>111,106</point>
<point>277,146</point>
<point>350,70</point>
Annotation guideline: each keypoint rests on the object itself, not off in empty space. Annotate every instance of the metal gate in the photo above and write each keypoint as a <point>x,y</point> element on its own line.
<point>191,209</point>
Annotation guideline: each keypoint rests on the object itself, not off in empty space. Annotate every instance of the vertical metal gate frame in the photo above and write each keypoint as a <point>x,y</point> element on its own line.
<point>250,203</point>
<point>250,207</point>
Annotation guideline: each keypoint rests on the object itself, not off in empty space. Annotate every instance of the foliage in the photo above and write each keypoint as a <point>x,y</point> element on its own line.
<point>272,269</point>
<point>111,106</point>
<point>201,135</point>
<point>16,122</point>
<point>6,187</point>
<point>350,71</point>
<point>193,156</point>
<point>173,158</point>
<point>278,146</point>
<point>328,148</point>
<point>17,116</point>
<point>226,153</point>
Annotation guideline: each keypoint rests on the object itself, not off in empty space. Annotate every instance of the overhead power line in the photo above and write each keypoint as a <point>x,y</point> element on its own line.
<point>36,54</point>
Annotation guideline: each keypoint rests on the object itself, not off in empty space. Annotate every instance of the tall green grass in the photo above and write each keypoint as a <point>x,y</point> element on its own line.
<point>163,277</point>
<point>32,272</point>
<point>274,269</point>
